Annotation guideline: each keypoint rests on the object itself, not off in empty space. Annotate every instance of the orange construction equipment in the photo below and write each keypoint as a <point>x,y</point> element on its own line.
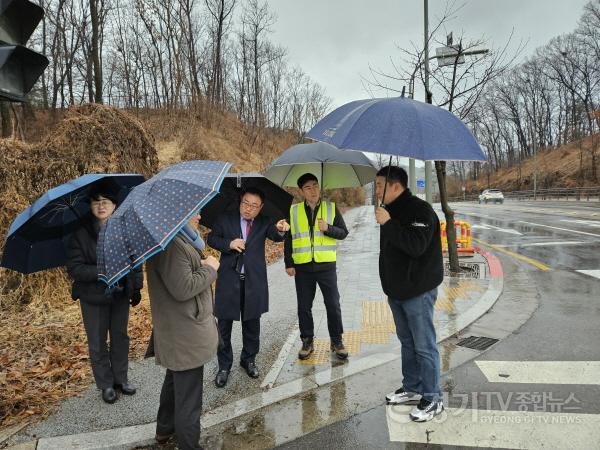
<point>463,237</point>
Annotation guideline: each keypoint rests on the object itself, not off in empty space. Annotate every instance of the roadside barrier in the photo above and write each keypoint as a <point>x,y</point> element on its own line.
<point>463,237</point>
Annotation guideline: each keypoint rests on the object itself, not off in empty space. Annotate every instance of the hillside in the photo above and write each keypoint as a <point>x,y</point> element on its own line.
<point>568,166</point>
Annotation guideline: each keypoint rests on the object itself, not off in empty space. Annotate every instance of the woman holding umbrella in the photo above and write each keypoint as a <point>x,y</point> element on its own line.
<point>104,311</point>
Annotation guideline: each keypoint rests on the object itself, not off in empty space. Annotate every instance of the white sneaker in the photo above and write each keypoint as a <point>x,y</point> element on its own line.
<point>426,410</point>
<point>400,396</point>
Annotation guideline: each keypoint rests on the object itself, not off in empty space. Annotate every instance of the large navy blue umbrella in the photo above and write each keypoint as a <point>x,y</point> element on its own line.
<point>401,127</point>
<point>277,201</point>
<point>35,239</point>
<point>153,214</point>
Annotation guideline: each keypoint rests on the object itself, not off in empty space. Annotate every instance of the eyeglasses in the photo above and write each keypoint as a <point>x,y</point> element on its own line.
<point>250,205</point>
<point>100,203</point>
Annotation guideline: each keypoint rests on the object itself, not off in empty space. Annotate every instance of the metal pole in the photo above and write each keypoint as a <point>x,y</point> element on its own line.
<point>428,165</point>
<point>412,178</point>
<point>534,155</point>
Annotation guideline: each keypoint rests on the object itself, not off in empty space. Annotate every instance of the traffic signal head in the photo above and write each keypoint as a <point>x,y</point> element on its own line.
<point>20,67</point>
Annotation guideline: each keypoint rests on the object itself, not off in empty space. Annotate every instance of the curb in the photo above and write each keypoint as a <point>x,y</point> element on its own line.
<point>140,435</point>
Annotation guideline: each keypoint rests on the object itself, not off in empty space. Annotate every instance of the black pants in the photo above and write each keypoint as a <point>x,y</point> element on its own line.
<point>306,288</point>
<point>181,406</point>
<point>109,364</point>
<point>250,337</point>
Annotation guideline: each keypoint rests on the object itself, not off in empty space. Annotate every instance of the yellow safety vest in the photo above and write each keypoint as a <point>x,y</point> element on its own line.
<point>321,248</point>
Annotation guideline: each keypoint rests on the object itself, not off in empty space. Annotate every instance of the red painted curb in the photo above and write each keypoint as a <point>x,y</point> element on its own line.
<point>493,263</point>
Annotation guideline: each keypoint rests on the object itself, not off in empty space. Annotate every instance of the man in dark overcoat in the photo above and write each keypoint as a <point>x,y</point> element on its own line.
<point>242,291</point>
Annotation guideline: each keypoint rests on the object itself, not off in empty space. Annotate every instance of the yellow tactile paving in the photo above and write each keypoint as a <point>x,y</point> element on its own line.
<point>378,321</point>
<point>376,335</point>
<point>322,353</point>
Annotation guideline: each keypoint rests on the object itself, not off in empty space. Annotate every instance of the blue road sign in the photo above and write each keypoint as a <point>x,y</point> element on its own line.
<point>420,183</point>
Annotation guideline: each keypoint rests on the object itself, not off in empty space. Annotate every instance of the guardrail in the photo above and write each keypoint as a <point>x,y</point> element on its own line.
<point>576,194</point>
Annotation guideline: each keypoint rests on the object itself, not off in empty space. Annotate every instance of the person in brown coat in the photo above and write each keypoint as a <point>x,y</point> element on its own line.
<point>185,334</point>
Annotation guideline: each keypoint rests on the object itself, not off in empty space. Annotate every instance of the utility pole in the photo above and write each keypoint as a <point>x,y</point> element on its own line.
<point>428,166</point>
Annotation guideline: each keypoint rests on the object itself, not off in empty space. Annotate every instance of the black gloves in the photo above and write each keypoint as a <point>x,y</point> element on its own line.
<point>136,298</point>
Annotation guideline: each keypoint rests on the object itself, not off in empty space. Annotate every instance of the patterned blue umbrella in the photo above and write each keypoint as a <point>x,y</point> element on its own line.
<point>36,238</point>
<point>153,214</point>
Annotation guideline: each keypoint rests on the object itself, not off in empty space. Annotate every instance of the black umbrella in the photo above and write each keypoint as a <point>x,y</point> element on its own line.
<point>277,201</point>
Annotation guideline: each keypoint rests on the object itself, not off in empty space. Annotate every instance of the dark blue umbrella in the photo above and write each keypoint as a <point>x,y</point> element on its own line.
<point>35,239</point>
<point>401,127</point>
<point>154,213</point>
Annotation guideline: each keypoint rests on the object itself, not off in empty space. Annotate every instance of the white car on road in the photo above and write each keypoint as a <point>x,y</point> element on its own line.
<point>491,195</point>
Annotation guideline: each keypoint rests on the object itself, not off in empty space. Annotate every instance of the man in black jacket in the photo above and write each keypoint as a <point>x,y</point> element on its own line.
<point>411,269</point>
<point>310,257</point>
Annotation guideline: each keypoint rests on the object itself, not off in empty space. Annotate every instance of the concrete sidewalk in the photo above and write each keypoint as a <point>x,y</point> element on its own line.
<point>86,422</point>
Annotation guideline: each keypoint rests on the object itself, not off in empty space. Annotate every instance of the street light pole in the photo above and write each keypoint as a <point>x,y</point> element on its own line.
<point>428,166</point>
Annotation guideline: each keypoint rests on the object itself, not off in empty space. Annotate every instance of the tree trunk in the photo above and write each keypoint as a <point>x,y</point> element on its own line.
<point>440,170</point>
<point>5,119</point>
<point>96,51</point>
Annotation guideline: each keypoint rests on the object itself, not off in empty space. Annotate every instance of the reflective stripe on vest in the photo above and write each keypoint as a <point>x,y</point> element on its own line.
<point>322,248</point>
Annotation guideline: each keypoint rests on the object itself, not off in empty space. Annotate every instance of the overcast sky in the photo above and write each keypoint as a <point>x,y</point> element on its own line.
<point>335,41</point>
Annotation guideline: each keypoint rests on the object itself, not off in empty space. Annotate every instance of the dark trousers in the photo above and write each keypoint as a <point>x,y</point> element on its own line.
<point>109,364</point>
<point>250,337</point>
<point>306,288</point>
<point>181,406</point>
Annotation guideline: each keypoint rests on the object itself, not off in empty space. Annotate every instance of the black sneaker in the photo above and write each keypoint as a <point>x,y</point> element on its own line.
<point>307,348</point>
<point>426,410</point>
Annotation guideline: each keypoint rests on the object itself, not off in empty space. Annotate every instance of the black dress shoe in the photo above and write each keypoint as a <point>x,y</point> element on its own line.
<point>163,438</point>
<point>126,388</point>
<point>221,378</point>
<point>109,395</point>
<point>251,369</point>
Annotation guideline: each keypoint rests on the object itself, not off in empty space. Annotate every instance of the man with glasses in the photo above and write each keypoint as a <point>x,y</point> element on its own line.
<point>242,291</point>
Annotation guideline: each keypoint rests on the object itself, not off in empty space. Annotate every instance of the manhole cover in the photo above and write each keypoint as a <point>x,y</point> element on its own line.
<point>477,342</point>
<point>467,270</point>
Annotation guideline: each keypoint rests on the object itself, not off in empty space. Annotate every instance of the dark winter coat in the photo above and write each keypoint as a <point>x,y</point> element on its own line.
<point>410,258</point>
<point>82,268</point>
<point>227,295</point>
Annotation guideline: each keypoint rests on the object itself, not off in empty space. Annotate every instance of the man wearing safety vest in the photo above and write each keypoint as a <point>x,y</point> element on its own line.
<point>310,255</point>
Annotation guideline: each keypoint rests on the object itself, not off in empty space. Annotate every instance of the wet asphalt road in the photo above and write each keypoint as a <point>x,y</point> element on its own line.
<point>550,252</point>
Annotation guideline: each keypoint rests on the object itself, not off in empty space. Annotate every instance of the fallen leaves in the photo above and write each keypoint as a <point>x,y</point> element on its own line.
<point>44,357</point>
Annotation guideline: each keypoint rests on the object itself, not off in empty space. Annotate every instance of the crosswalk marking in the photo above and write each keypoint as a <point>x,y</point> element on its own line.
<point>497,429</point>
<point>546,372</point>
<point>591,273</point>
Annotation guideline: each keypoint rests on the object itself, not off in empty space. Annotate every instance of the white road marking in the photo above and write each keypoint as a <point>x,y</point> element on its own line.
<point>492,227</point>
<point>506,230</point>
<point>497,429</point>
<point>546,372</point>
<point>544,244</point>
<point>558,228</point>
<point>589,223</point>
<point>591,273</point>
